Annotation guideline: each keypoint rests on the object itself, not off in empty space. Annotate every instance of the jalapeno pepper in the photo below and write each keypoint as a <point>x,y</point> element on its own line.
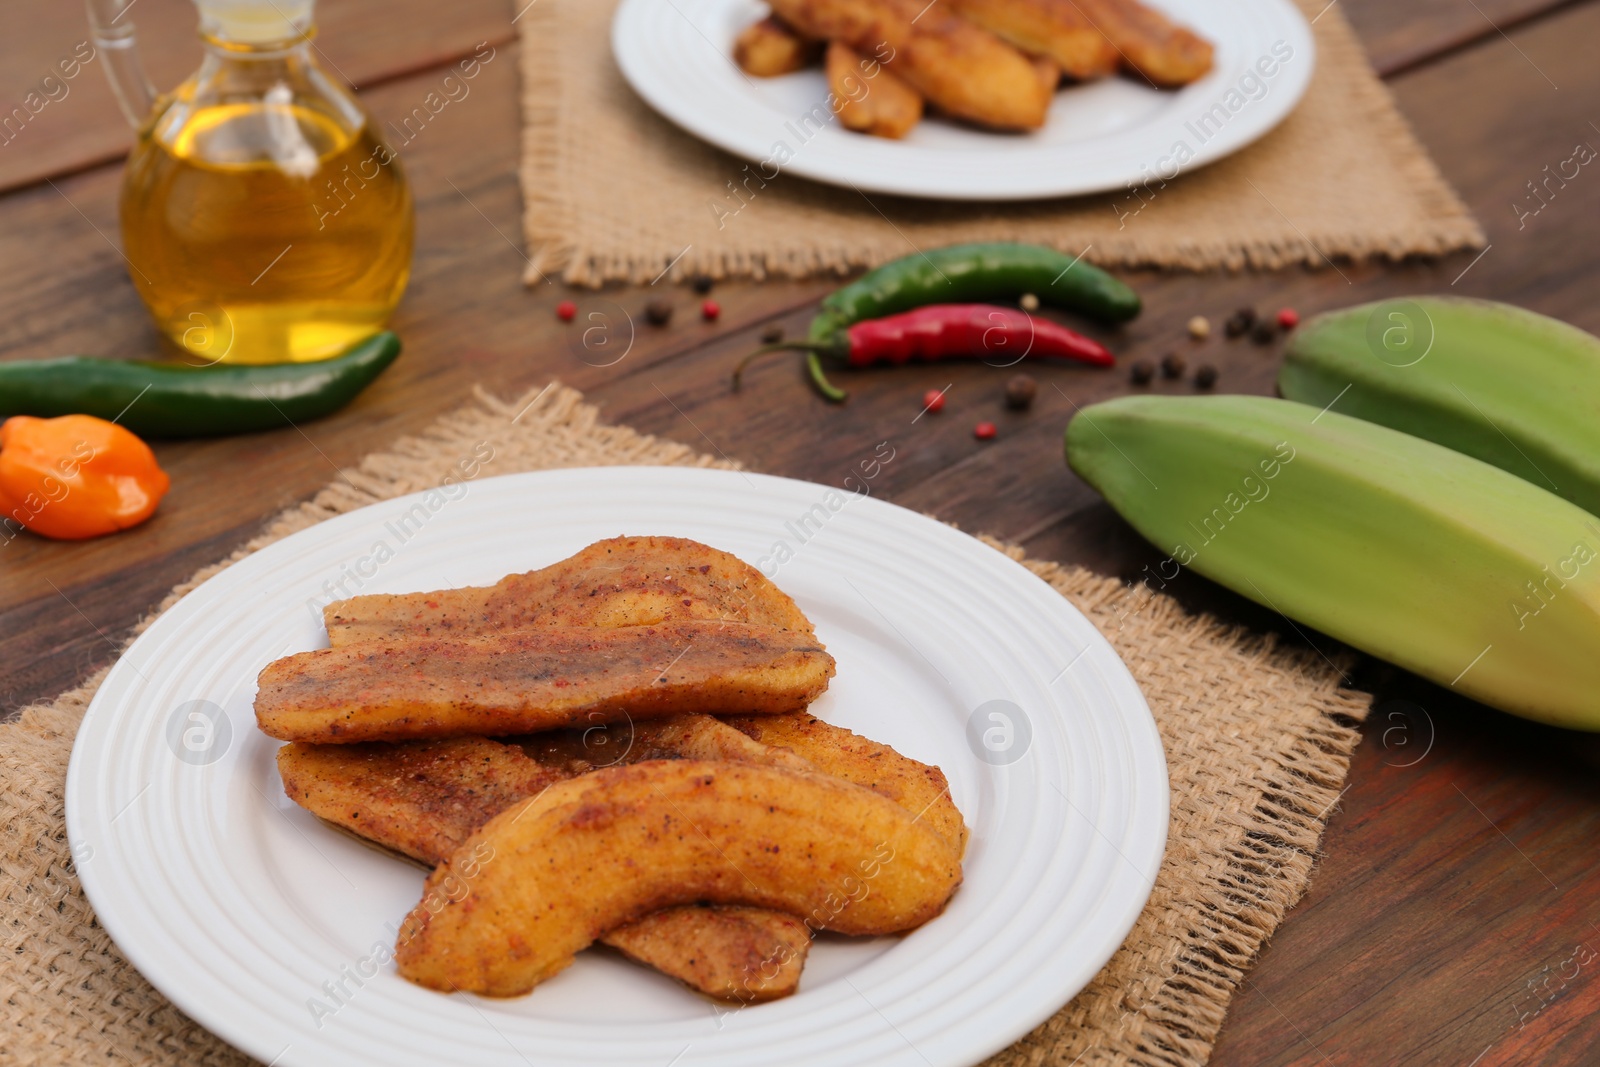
<point>172,400</point>
<point>942,331</point>
<point>76,477</point>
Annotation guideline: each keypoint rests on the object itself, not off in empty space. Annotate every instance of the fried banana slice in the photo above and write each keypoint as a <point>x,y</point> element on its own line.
<point>422,798</point>
<point>749,955</point>
<point>536,680</point>
<point>623,581</point>
<point>548,876</point>
<point>1149,43</point>
<point>1057,29</point>
<point>678,737</point>
<point>956,65</point>
<point>920,788</point>
<point>867,97</point>
<point>768,48</point>
<point>425,798</point>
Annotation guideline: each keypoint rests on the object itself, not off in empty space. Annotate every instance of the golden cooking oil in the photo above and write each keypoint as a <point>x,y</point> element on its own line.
<point>262,220</point>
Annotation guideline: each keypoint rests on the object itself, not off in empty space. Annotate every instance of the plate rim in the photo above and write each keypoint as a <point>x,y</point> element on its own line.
<point>699,124</point>
<point>163,967</point>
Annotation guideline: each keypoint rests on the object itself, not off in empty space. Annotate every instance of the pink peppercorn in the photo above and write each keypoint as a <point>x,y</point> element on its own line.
<point>710,310</point>
<point>1288,318</point>
<point>566,311</point>
<point>984,431</point>
<point>933,400</point>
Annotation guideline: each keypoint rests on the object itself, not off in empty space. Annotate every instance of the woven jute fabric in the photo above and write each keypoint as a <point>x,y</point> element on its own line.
<point>1258,740</point>
<point>612,191</point>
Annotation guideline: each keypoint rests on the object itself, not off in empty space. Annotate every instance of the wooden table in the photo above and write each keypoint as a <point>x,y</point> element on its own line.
<point>1456,915</point>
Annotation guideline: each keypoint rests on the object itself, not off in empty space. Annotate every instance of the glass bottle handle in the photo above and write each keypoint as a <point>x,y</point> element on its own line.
<point>112,31</point>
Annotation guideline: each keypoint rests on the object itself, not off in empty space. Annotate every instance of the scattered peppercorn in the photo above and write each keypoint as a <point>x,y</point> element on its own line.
<point>658,312</point>
<point>1172,365</point>
<point>1206,376</point>
<point>772,335</point>
<point>1239,322</point>
<point>1199,327</point>
<point>710,310</point>
<point>1020,392</point>
<point>1141,372</point>
<point>1029,302</point>
<point>933,400</point>
<point>702,283</point>
<point>984,431</point>
<point>1265,332</point>
<point>1288,318</point>
<point>566,311</point>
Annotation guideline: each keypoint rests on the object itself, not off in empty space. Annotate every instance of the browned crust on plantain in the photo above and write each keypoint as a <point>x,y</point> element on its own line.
<point>536,680</point>
<point>422,798</point>
<point>956,65</point>
<point>1150,44</point>
<point>623,581</point>
<point>768,49</point>
<point>735,953</point>
<point>867,97</point>
<point>920,788</point>
<point>546,877</point>
<point>1054,28</point>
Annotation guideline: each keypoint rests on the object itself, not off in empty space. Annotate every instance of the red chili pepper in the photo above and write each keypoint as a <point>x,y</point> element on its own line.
<point>943,331</point>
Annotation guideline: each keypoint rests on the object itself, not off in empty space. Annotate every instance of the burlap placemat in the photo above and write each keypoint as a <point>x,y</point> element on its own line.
<point>614,192</point>
<point>1258,741</point>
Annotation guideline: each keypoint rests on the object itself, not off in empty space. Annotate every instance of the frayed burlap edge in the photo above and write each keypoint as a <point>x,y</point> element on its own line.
<point>1258,740</point>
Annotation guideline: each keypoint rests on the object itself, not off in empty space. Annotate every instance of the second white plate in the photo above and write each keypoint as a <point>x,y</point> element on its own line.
<point>1104,135</point>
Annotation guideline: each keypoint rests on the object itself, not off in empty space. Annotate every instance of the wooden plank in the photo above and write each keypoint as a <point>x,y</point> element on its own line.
<point>1425,924</point>
<point>73,122</point>
<point>1400,36</point>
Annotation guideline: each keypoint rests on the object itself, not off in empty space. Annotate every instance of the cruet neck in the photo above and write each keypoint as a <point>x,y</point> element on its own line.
<point>257,27</point>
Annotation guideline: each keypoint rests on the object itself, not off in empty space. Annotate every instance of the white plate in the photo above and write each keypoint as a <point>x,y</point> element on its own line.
<point>248,913</point>
<point>1103,135</point>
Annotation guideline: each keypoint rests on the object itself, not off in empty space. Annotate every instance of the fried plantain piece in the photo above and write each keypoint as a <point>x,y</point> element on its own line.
<point>768,48</point>
<point>750,955</point>
<point>867,97</point>
<point>422,798</point>
<point>1149,43</point>
<point>536,679</point>
<point>549,875</point>
<point>1057,29</point>
<point>425,798</point>
<point>920,788</point>
<point>957,66</point>
<point>622,581</point>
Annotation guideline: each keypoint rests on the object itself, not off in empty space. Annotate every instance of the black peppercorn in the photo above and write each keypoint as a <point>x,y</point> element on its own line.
<point>1239,322</point>
<point>1172,365</point>
<point>1265,332</point>
<point>1205,377</point>
<point>1141,372</point>
<point>658,312</point>
<point>1020,392</point>
<point>702,283</point>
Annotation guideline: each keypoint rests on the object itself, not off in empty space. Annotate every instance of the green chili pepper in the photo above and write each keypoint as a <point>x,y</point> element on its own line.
<point>172,400</point>
<point>963,274</point>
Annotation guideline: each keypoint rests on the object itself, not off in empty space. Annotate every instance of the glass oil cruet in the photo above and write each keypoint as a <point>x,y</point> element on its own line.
<point>263,220</point>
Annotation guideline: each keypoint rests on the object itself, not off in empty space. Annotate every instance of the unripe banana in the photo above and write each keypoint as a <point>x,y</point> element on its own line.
<point>1420,555</point>
<point>1515,389</point>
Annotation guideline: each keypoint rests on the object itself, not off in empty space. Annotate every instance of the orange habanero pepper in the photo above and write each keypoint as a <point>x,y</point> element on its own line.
<point>76,476</point>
